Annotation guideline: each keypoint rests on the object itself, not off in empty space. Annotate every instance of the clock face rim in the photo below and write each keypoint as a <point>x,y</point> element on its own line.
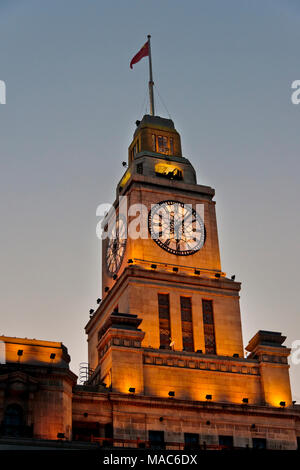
<point>109,243</point>
<point>171,250</point>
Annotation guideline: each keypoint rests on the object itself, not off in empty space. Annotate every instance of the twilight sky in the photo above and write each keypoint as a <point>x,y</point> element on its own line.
<point>224,71</point>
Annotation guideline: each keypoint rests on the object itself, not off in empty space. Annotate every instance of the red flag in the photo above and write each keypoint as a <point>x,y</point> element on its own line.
<point>144,52</point>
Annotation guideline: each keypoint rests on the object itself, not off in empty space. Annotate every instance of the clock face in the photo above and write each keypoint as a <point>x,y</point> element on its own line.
<point>176,227</point>
<point>116,246</point>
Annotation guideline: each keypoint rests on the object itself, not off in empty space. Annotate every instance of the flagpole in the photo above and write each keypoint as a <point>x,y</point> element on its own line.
<point>151,82</point>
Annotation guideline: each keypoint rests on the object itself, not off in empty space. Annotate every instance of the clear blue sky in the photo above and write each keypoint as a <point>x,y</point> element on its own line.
<point>224,70</point>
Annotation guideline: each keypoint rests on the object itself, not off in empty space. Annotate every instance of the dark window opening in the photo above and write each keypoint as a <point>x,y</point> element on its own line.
<point>191,440</point>
<point>187,323</point>
<point>259,443</point>
<point>226,441</point>
<point>209,328</point>
<point>108,430</point>
<point>164,320</point>
<point>13,423</point>
<point>139,168</point>
<point>157,439</point>
<point>84,430</point>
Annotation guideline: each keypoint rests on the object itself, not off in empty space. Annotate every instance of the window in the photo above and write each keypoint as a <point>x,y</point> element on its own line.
<point>209,329</point>
<point>226,441</point>
<point>259,443</point>
<point>136,148</point>
<point>85,430</point>
<point>139,168</point>
<point>153,143</point>
<point>13,422</point>
<point>162,144</point>
<point>157,439</point>
<point>164,320</point>
<point>187,323</point>
<point>191,441</point>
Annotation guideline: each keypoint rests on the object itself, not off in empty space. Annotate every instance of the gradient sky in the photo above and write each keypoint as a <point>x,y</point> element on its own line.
<point>224,71</point>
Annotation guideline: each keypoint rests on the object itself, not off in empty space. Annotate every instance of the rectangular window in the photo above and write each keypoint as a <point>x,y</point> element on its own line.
<point>187,323</point>
<point>139,168</point>
<point>226,442</point>
<point>164,320</point>
<point>153,143</point>
<point>157,439</point>
<point>136,148</point>
<point>209,328</point>
<point>191,440</point>
<point>162,144</point>
<point>259,443</point>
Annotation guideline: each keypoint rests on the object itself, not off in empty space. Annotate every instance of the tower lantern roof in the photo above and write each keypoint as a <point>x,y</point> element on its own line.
<point>156,135</point>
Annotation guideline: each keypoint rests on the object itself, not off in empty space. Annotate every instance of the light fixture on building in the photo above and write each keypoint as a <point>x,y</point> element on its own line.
<point>236,355</point>
<point>131,390</point>
<point>130,261</point>
<point>197,272</point>
<point>218,275</point>
<point>175,270</point>
<point>171,394</point>
<point>282,404</point>
<point>233,277</point>
<point>124,164</point>
<point>98,301</point>
<point>245,400</point>
<point>208,397</point>
<point>106,289</point>
<point>20,352</point>
<point>153,266</point>
<point>91,312</point>
<point>115,277</point>
<point>207,423</point>
<point>52,356</point>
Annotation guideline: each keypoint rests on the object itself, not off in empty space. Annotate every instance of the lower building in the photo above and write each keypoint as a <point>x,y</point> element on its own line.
<point>41,400</point>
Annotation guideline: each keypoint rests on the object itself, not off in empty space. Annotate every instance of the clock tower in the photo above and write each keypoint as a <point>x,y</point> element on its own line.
<point>164,293</point>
